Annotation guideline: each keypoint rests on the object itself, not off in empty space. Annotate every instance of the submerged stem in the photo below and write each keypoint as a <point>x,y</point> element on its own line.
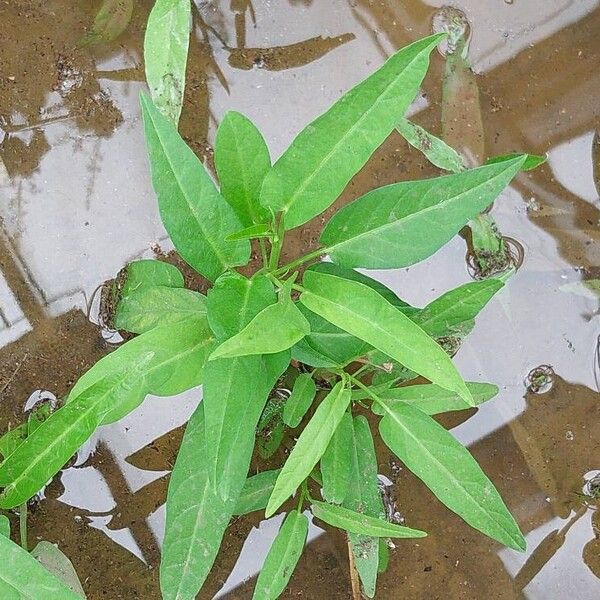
<point>23,525</point>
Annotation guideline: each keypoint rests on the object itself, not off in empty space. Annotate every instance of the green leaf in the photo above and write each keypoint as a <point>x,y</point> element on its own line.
<point>355,522</point>
<point>323,158</point>
<point>448,314</point>
<point>150,307</point>
<point>326,345</point>
<point>435,150</point>
<point>4,526</point>
<point>23,577</point>
<point>432,399</point>
<point>311,445</point>
<point>532,162</point>
<point>336,462</point>
<point>196,518</point>
<point>384,556</point>
<point>235,391</point>
<point>235,300</point>
<point>53,560</point>
<point>303,394</point>
<point>449,471</point>
<point>364,313</point>
<point>11,439</point>
<point>401,224</point>
<point>276,328</point>
<point>56,440</point>
<point>282,557</point>
<point>110,22</point>
<point>193,212</point>
<point>180,351</point>
<point>242,160</point>
<point>165,54</point>
<point>333,269</point>
<point>364,497</point>
<point>261,230</point>
<point>256,492</point>
<point>145,273</point>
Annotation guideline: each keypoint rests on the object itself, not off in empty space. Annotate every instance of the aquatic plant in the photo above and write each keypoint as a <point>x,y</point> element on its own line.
<point>300,360</point>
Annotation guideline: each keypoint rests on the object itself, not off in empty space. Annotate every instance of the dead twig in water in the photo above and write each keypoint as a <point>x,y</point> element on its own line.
<point>356,594</point>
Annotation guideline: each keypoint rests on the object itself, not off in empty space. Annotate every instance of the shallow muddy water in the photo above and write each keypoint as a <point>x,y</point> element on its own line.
<point>76,205</point>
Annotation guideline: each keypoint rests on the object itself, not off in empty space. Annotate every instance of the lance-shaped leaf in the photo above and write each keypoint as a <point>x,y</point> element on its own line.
<point>165,54</point>
<point>311,445</point>
<point>435,150</point>
<point>235,392</point>
<point>355,522</point>
<point>454,311</point>
<point>323,158</point>
<point>282,558</point>
<point>148,273</point>
<point>23,577</point>
<point>303,394</point>
<point>193,212</point>
<point>235,300</point>
<point>236,389</point>
<point>45,451</point>
<point>364,497</point>
<point>336,462</point>
<point>196,518</point>
<point>401,224</point>
<point>261,230</point>
<point>242,160</point>
<point>532,162</point>
<point>326,345</point>
<point>4,526</point>
<point>364,313</point>
<point>149,307</point>
<point>449,471</point>
<point>432,399</point>
<point>111,21</point>
<point>256,492</point>
<point>53,560</point>
<point>180,351</point>
<point>276,328</point>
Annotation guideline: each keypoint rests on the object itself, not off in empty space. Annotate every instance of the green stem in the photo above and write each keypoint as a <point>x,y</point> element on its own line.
<point>368,391</point>
<point>299,261</point>
<point>277,245</point>
<point>263,252</point>
<point>23,525</point>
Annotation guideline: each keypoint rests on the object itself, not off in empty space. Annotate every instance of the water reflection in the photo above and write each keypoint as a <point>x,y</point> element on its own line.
<point>76,204</point>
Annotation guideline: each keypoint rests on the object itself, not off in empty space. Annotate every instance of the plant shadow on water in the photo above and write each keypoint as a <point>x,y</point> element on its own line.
<point>65,107</point>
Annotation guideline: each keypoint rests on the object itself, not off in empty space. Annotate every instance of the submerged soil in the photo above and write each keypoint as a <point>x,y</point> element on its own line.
<point>76,205</point>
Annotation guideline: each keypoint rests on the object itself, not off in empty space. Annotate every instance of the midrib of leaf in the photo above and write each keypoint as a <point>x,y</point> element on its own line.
<point>194,534</point>
<point>243,175</point>
<point>483,291</point>
<point>39,458</point>
<point>382,98</point>
<point>423,213</point>
<point>391,415</point>
<point>373,325</point>
<point>219,254</point>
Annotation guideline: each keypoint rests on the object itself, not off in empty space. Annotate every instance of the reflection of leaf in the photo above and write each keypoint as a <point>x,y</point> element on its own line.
<point>165,54</point>
<point>286,57</point>
<point>110,22</point>
<point>58,564</point>
<point>22,576</point>
<point>588,289</point>
<point>140,505</point>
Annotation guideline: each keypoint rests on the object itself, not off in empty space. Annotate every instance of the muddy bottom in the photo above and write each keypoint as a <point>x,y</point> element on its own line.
<point>76,205</point>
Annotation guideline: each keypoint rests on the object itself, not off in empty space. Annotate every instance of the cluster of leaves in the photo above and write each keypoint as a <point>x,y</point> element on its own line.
<point>239,339</point>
